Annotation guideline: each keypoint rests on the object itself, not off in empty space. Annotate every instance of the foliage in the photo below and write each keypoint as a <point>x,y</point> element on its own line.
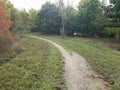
<point>32,16</point>
<point>48,19</point>
<point>89,20</point>
<point>6,38</point>
<point>89,14</point>
<point>116,9</point>
<point>111,32</point>
<point>91,17</point>
<point>22,20</point>
<point>63,16</point>
<point>112,20</point>
<point>71,25</point>
<point>112,15</point>
<point>13,15</point>
<point>4,23</point>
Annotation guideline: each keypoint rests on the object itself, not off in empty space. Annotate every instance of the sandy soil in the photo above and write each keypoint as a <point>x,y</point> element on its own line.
<point>78,75</point>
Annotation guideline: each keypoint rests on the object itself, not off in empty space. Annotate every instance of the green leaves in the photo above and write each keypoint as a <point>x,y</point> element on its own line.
<point>114,10</point>
<point>48,19</point>
<point>89,12</point>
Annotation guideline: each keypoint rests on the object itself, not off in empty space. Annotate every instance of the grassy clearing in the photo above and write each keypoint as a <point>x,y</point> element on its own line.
<point>37,67</point>
<point>102,59</point>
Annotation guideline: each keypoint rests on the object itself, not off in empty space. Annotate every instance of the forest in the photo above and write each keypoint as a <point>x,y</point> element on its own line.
<point>92,19</point>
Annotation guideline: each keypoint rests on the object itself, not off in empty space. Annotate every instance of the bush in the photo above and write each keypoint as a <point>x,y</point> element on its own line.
<point>6,40</point>
<point>113,32</point>
<point>34,29</point>
<point>16,38</point>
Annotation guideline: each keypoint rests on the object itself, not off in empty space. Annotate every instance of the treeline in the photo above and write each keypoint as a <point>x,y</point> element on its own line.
<point>22,20</point>
<point>92,18</point>
<point>13,22</point>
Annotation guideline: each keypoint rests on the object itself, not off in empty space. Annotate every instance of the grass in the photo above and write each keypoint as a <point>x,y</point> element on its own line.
<point>102,59</point>
<point>33,65</point>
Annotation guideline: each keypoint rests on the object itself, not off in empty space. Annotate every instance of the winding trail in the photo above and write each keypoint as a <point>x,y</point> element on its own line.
<point>78,75</point>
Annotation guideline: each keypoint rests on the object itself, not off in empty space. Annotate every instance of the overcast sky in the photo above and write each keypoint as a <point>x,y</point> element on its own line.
<point>36,4</point>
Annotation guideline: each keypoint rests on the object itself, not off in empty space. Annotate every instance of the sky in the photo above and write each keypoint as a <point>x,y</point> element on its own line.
<point>36,4</point>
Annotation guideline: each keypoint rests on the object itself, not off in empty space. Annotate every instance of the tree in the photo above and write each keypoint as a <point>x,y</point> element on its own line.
<point>6,38</point>
<point>32,16</point>
<point>48,19</point>
<point>89,12</point>
<point>62,13</point>
<point>24,22</point>
<point>11,12</point>
<point>116,9</point>
<point>71,25</point>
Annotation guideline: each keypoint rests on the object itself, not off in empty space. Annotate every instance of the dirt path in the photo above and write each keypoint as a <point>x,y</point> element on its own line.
<point>78,75</point>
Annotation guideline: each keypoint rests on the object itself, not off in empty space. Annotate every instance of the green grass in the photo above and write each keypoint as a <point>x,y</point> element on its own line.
<point>102,59</point>
<point>37,66</point>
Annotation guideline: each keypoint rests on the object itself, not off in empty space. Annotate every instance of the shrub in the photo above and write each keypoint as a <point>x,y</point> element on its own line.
<point>113,32</point>
<point>16,38</point>
<point>6,38</point>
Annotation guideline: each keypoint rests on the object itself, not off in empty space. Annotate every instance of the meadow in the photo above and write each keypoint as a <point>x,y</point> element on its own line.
<point>31,64</point>
<point>102,58</point>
